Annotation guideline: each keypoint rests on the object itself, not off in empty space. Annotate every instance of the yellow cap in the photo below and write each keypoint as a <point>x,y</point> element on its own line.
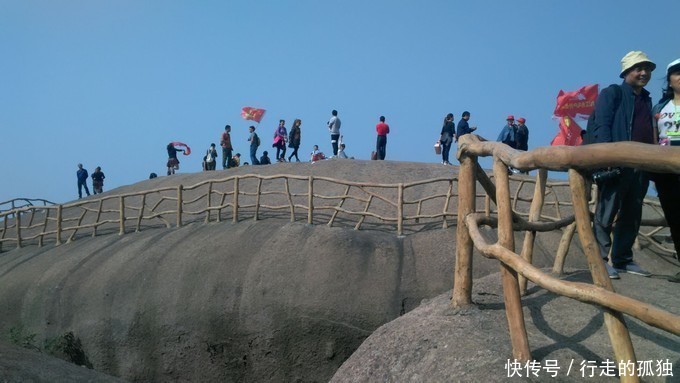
<point>633,58</point>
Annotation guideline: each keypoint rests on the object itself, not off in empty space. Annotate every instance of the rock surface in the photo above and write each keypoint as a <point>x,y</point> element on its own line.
<point>20,365</point>
<point>267,300</point>
<point>435,343</point>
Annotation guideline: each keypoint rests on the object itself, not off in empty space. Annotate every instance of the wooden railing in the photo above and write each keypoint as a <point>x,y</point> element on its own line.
<point>404,207</point>
<point>401,208</point>
<point>18,203</point>
<point>517,268</point>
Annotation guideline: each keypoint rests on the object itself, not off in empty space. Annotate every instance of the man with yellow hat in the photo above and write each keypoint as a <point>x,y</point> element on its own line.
<point>622,113</point>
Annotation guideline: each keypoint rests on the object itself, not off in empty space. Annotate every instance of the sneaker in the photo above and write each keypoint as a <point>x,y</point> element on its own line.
<point>633,268</point>
<point>611,271</point>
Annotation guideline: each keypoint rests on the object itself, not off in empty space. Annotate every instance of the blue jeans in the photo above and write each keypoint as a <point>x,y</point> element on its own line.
<point>82,184</point>
<point>253,155</point>
<point>446,148</point>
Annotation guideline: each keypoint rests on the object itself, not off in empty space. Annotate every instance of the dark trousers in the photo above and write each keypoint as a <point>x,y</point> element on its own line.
<point>334,143</point>
<point>294,154</point>
<point>280,150</point>
<point>81,185</point>
<point>668,189</point>
<point>619,198</point>
<point>226,158</point>
<point>381,147</point>
<point>446,148</point>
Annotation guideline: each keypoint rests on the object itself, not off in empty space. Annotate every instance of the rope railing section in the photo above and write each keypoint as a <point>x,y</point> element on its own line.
<point>516,269</point>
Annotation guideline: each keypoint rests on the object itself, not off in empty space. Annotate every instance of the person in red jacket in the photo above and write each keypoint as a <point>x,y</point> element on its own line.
<point>383,130</point>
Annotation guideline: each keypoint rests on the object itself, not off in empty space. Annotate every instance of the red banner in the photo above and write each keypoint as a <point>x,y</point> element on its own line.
<point>254,114</point>
<point>569,134</point>
<point>580,102</point>
<point>187,149</point>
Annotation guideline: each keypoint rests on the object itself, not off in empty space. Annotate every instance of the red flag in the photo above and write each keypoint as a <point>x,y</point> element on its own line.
<point>569,134</point>
<point>580,102</point>
<point>187,149</point>
<point>254,114</point>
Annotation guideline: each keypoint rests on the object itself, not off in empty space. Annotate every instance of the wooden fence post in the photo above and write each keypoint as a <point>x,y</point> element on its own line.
<point>96,220</point>
<point>235,202</point>
<point>511,296</point>
<point>256,216</point>
<point>534,216</point>
<point>290,201</point>
<point>207,216</point>
<point>141,214</point>
<point>563,249</point>
<point>121,215</point>
<point>400,209</point>
<point>59,218</point>
<point>616,325</point>
<point>310,200</point>
<point>342,202</point>
<point>467,195</point>
<point>180,190</point>
<point>17,222</point>
<point>445,224</point>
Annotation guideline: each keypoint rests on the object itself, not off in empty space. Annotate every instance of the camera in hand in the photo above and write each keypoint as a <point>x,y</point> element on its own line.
<point>604,175</point>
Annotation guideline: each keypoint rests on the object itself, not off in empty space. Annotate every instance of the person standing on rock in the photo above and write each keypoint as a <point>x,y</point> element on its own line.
<point>254,140</point>
<point>381,145</point>
<point>334,129</point>
<point>667,122</point>
<point>508,134</point>
<point>294,139</point>
<point>98,181</point>
<point>522,135</point>
<point>463,126</point>
<point>211,158</point>
<point>280,138</point>
<point>448,134</point>
<point>82,175</point>
<point>623,113</point>
<point>225,143</point>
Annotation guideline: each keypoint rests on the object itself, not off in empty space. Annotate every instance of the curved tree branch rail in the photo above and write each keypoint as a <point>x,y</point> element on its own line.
<point>517,268</point>
<point>18,203</point>
<point>409,206</point>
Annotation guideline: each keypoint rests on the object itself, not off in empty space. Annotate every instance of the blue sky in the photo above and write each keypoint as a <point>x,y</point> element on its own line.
<point>110,83</point>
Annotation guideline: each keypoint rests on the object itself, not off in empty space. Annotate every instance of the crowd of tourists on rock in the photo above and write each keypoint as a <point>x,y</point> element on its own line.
<point>623,112</point>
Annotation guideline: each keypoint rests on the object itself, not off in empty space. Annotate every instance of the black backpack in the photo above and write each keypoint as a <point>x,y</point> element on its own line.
<point>589,137</point>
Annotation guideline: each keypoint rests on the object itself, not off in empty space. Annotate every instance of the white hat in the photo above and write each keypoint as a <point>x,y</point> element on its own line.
<point>633,58</point>
<point>671,65</point>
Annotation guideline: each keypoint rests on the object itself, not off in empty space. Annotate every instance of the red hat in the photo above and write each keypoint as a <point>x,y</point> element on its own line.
<point>510,117</point>
<point>522,120</point>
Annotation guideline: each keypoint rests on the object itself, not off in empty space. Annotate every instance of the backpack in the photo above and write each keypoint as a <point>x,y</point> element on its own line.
<point>209,157</point>
<point>589,137</point>
<point>257,139</point>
